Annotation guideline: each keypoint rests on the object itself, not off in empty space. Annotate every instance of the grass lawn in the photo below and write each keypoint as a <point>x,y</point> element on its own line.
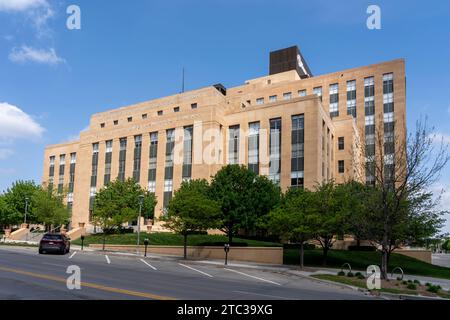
<point>169,239</point>
<point>361,260</point>
<point>392,286</point>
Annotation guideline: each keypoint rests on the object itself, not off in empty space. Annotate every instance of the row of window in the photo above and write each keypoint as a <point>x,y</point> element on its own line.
<point>144,116</point>
<point>369,88</point>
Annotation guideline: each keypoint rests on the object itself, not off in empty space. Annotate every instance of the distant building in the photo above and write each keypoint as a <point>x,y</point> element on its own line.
<point>295,128</point>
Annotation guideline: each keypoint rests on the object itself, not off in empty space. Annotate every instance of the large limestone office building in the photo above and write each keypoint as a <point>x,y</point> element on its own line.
<point>295,128</point>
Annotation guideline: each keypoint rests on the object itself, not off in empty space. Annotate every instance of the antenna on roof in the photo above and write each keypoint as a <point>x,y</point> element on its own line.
<point>182,84</point>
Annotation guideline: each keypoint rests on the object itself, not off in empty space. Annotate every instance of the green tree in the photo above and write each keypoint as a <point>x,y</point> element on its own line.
<point>191,210</point>
<point>294,220</point>
<point>235,188</point>
<point>118,203</point>
<point>49,208</point>
<point>15,202</point>
<point>403,211</point>
<point>4,213</point>
<point>328,204</point>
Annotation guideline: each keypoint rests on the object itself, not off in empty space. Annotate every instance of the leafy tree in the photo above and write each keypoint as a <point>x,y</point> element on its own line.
<point>49,208</point>
<point>4,213</point>
<point>191,210</point>
<point>328,203</point>
<point>403,210</point>
<point>235,188</point>
<point>118,203</point>
<point>15,202</point>
<point>294,220</point>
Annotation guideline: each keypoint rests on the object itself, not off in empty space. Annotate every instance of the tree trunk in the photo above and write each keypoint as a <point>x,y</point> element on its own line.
<point>325,254</point>
<point>104,239</point>
<point>230,234</point>
<point>384,264</point>
<point>301,255</point>
<point>185,245</point>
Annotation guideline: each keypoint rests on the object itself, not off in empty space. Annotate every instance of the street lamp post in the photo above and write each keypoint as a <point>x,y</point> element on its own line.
<point>141,200</point>
<point>26,210</point>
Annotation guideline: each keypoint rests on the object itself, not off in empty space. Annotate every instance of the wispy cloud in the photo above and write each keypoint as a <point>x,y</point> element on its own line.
<point>21,5</point>
<point>441,137</point>
<point>5,153</point>
<point>29,54</point>
<point>16,124</point>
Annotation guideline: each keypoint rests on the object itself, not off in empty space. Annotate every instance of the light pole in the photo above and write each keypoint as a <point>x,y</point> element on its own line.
<point>26,209</point>
<point>141,200</point>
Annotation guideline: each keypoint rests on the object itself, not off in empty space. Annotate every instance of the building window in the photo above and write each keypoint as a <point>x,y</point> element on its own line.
<point>389,123</point>
<point>168,172</point>
<point>260,101</point>
<point>275,151</point>
<point>351,98</point>
<point>62,166</point>
<point>137,158</point>
<point>108,161</point>
<point>341,143</point>
<point>302,93</point>
<point>233,143</point>
<point>144,116</point>
<point>116,122</point>
<point>369,106</point>
<point>334,100</point>
<point>51,173</point>
<point>122,159</point>
<point>194,106</point>
<point>273,99</point>
<point>102,125</point>
<point>94,169</point>
<point>187,152</point>
<point>160,113</point>
<point>298,151</point>
<point>287,96</point>
<point>318,92</point>
<point>176,109</point>
<point>253,147</point>
<point>153,158</point>
<point>73,161</point>
<point>341,166</point>
<point>130,119</point>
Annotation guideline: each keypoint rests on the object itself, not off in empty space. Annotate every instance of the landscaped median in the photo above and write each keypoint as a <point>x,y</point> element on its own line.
<point>199,246</point>
<point>398,287</point>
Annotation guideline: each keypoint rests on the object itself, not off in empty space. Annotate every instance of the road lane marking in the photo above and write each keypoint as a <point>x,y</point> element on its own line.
<point>263,295</point>
<point>206,274</point>
<point>250,276</point>
<point>107,259</point>
<point>72,255</point>
<point>89,285</point>
<point>148,264</point>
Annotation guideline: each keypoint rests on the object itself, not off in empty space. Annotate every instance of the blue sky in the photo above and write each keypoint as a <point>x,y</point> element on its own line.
<point>53,79</point>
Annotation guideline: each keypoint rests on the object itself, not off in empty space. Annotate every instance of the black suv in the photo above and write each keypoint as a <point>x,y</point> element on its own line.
<point>54,242</point>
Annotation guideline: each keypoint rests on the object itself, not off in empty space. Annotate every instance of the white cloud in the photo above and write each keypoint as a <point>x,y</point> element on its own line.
<point>16,124</point>
<point>5,153</point>
<point>25,54</point>
<point>21,5</point>
<point>441,137</point>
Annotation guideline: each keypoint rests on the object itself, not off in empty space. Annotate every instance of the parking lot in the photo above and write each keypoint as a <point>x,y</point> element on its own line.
<point>24,274</point>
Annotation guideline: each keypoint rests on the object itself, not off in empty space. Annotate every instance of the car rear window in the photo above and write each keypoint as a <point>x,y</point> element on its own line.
<point>52,237</point>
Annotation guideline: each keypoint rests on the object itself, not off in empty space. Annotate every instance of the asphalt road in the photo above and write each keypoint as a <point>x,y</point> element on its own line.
<point>26,275</point>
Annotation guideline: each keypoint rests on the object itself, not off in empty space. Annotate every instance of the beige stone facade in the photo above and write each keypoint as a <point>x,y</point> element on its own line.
<point>274,100</point>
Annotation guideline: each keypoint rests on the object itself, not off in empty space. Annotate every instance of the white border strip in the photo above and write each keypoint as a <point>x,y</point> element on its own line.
<point>72,255</point>
<point>107,259</point>
<point>248,275</point>
<point>148,264</point>
<point>206,274</point>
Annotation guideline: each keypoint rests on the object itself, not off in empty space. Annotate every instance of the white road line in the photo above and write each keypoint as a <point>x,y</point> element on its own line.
<point>263,295</point>
<point>72,255</point>
<point>148,264</point>
<point>107,259</point>
<point>206,274</point>
<point>258,278</point>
